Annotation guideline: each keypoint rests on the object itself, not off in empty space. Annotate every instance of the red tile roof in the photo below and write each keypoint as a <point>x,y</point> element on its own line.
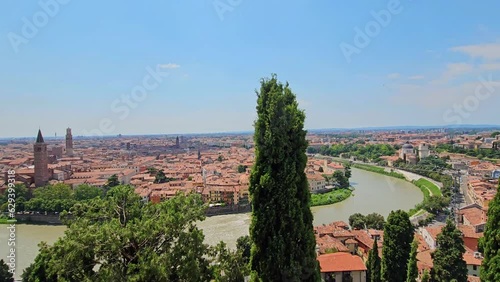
<point>338,262</point>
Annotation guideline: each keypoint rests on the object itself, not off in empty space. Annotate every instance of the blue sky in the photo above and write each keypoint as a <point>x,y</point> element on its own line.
<point>423,65</point>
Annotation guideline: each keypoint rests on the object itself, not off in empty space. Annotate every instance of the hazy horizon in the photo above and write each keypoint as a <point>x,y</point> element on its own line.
<point>310,130</point>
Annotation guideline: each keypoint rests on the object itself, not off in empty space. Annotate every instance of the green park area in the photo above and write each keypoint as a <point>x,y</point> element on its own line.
<point>331,197</point>
<point>428,188</point>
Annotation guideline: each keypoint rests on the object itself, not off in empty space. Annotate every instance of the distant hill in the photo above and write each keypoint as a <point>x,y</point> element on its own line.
<point>322,130</point>
<point>411,127</point>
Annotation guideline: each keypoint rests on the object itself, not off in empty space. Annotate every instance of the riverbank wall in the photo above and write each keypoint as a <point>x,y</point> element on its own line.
<point>38,218</point>
<point>55,220</point>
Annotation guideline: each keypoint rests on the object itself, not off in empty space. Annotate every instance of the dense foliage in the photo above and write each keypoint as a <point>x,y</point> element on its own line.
<point>60,197</point>
<point>431,167</point>
<point>398,236</point>
<point>426,276</point>
<point>5,274</point>
<point>370,152</point>
<point>242,168</point>
<point>373,264</point>
<point>22,195</point>
<point>244,245</point>
<point>281,229</point>
<point>160,177</point>
<point>121,238</point>
<point>490,269</point>
<point>371,221</point>
<point>412,270</point>
<point>448,257</point>
<point>331,197</point>
<point>339,178</point>
<point>112,181</point>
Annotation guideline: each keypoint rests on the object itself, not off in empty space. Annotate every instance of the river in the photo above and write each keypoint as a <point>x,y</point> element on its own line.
<point>373,193</point>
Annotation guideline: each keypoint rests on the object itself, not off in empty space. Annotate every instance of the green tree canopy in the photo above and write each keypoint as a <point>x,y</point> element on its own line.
<point>398,235</point>
<point>357,221</point>
<point>347,171</point>
<point>341,179</point>
<point>372,221</point>
<point>5,274</point>
<point>121,238</point>
<point>281,229</point>
<point>230,265</point>
<point>87,192</point>
<point>242,168</point>
<point>113,181</point>
<point>412,270</point>
<point>373,264</point>
<point>51,198</point>
<point>244,245</point>
<point>448,258</point>
<point>160,176</point>
<point>490,268</point>
<point>22,195</point>
<point>375,221</point>
<point>425,276</point>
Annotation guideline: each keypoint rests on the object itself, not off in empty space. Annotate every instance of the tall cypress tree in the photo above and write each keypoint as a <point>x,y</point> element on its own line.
<point>490,268</point>
<point>373,264</point>
<point>448,258</point>
<point>398,235</point>
<point>412,270</point>
<point>281,229</point>
<point>369,263</point>
<point>425,277</point>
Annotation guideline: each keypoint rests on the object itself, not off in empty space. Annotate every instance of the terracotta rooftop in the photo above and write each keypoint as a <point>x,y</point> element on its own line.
<point>471,260</point>
<point>338,262</point>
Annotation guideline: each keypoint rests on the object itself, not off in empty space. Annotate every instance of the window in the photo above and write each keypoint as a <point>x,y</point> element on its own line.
<point>346,276</point>
<point>330,277</point>
<point>474,267</point>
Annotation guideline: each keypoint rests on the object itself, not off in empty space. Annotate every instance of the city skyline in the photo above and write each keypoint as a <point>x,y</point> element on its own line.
<point>56,136</point>
<point>351,65</point>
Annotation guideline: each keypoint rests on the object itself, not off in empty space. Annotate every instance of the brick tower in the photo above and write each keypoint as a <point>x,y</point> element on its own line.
<point>41,161</point>
<point>69,142</point>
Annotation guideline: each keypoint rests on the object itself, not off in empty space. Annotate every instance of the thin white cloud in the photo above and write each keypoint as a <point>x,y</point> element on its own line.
<point>393,75</point>
<point>169,66</point>
<point>454,70</point>
<point>490,66</point>
<point>488,51</point>
<point>416,77</point>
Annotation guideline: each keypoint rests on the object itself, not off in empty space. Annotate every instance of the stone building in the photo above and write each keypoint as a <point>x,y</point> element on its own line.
<point>41,161</point>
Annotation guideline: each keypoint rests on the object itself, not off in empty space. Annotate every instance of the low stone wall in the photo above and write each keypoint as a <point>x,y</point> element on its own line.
<point>228,210</point>
<point>39,218</point>
<point>54,219</point>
